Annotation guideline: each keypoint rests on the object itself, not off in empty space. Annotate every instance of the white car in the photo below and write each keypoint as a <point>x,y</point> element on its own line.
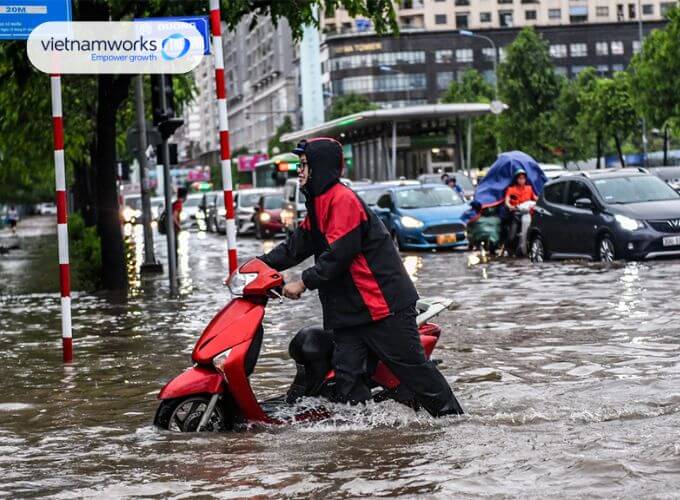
<point>131,211</point>
<point>294,209</point>
<point>47,209</point>
<point>244,202</point>
<point>190,209</point>
<point>553,171</point>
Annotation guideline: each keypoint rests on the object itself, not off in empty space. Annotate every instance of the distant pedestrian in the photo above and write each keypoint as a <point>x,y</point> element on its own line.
<point>453,184</point>
<point>177,207</point>
<point>13,218</point>
<point>445,178</point>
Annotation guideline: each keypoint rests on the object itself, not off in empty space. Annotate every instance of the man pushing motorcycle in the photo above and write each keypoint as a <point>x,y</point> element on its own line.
<point>368,299</point>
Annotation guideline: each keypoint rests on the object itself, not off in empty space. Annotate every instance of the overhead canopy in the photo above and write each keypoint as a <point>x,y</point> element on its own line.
<point>383,116</point>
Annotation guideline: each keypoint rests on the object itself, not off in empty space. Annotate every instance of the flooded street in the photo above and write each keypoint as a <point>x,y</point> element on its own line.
<point>570,373</point>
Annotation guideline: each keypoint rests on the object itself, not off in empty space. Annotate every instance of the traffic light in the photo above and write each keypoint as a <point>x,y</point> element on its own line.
<point>159,114</point>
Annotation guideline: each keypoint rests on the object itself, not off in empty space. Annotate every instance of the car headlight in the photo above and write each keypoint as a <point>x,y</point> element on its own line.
<point>411,222</point>
<point>265,217</point>
<point>200,215</point>
<point>219,360</point>
<point>128,214</point>
<point>286,216</point>
<point>628,223</point>
<point>238,281</point>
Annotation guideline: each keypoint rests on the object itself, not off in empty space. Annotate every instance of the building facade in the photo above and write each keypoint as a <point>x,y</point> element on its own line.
<point>491,14</point>
<point>418,66</point>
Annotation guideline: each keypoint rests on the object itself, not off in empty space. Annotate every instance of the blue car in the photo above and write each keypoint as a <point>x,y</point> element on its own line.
<point>419,217</point>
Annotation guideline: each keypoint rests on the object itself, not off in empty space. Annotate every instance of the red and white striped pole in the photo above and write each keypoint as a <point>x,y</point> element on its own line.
<point>225,153</point>
<point>62,219</point>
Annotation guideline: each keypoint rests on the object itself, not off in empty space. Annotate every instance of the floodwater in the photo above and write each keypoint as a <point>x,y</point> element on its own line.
<point>569,372</point>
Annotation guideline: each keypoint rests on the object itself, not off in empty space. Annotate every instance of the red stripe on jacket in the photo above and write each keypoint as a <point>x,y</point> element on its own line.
<point>368,288</point>
<point>335,223</point>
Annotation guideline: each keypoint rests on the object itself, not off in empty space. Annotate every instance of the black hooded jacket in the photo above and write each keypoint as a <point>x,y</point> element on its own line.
<point>357,270</point>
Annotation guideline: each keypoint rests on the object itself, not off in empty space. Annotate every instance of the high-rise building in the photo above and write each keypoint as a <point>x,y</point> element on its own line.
<point>488,14</point>
<point>261,92</point>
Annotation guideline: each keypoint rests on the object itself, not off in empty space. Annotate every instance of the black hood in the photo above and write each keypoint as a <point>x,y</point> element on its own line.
<point>325,164</point>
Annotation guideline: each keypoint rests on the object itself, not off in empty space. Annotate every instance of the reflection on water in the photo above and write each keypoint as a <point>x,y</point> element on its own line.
<point>569,372</point>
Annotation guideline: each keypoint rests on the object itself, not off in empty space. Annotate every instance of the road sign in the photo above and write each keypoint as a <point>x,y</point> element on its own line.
<point>201,23</point>
<point>19,17</point>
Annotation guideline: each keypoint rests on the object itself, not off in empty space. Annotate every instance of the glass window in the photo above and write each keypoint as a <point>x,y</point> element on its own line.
<point>617,48</point>
<point>602,48</point>
<point>554,14</point>
<point>602,69</point>
<point>502,54</point>
<point>577,191</point>
<point>617,67</point>
<point>561,70</point>
<point>578,50</point>
<point>444,79</point>
<point>443,56</point>
<point>488,52</point>
<point>464,55</point>
<point>578,14</point>
<point>530,15</point>
<point>440,19</point>
<point>575,70</point>
<point>648,9</point>
<point>636,46</point>
<point>462,21</point>
<point>370,196</point>
<point>273,202</point>
<point>554,193</point>
<point>635,189</point>
<point>558,51</point>
<point>485,17</point>
<point>427,197</point>
<point>462,2</point>
<point>602,11</point>
<point>505,17</point>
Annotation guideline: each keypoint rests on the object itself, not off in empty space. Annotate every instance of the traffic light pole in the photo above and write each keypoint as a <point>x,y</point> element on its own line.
<point>149,265</point>
<point>167,191</point>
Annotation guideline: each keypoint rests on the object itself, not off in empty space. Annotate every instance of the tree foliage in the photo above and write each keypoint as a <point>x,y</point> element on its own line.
<point>275,146</point>
<point>655,72</point>
<point>349,104</point>
<point>474,88</point>
<point>529,86</point>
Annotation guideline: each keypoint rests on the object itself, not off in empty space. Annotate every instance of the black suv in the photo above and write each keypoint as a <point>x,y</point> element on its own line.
<point>605,215</point>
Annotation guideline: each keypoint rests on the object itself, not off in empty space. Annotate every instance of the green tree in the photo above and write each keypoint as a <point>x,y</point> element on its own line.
<point>275,142</point>
<point>608,108</point>
<point>474,88</point>
<point>349,104</point>
<point>529,86</point>
<point>655,76</point>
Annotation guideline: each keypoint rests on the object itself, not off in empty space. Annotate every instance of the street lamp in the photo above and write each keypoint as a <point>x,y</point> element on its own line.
<point>495,56</point>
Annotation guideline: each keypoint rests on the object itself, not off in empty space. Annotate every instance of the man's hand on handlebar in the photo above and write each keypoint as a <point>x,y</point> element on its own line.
<point>294,289</point>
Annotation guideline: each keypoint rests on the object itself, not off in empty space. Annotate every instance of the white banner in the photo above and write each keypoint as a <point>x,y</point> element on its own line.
<point>115,47</point>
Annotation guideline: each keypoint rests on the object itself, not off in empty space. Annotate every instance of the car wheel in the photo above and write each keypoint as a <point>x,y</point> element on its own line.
<point>395,240</point>
<point>537,250</point>
<point>605,250</point>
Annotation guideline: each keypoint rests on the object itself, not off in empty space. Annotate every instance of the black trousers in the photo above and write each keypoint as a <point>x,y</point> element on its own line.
<point>396,342</point>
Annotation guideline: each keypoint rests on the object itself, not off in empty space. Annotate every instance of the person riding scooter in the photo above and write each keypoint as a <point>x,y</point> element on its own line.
<point>367,297</point>
<point>518,193</point>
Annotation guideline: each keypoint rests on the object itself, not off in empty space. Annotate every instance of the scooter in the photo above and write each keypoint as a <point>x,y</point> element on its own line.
<point>215,394</point>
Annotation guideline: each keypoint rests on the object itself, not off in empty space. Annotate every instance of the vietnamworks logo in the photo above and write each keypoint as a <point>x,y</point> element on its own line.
<point>115,47</point>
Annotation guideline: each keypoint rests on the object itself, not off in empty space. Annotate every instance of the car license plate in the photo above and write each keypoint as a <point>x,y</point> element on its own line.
<point>671,241</point>
<point>444,239</point>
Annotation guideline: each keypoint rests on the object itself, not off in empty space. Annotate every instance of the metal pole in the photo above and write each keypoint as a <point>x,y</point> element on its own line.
<point>644,122</point>
<point>469,146</point>
<point>394,149</point>
<point>149,263</point>
<point>225,153</point>
<point>167,187</point>
<point>62,219</point>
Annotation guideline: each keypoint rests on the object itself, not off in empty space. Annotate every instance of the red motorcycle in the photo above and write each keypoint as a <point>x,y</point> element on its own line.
<point>215,394</point>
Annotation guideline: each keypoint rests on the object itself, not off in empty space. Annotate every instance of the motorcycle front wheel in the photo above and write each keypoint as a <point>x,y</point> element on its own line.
<point>185,414</point>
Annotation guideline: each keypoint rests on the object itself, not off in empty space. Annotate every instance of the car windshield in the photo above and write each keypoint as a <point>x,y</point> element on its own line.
<point>273,202</point>
<point>427,197</point>
<point>464,182</point>
<point>370,196</point>
<point>249,199</point>
<point>193,201</point>
<point>634,189</point>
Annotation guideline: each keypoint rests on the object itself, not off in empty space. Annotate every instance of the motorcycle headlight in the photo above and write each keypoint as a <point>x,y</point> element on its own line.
<point>411,222</point>
<point>219,360</point>
<point>238,281</point>
<point>628,223</point>
<point>265,217</point>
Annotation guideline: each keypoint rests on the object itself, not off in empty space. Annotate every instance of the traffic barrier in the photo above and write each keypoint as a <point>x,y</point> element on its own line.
<point>62,219</point>
<point>225,153</point>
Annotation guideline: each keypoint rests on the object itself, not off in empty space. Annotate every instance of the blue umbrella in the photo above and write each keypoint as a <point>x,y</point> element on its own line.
<point>491,189</point>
